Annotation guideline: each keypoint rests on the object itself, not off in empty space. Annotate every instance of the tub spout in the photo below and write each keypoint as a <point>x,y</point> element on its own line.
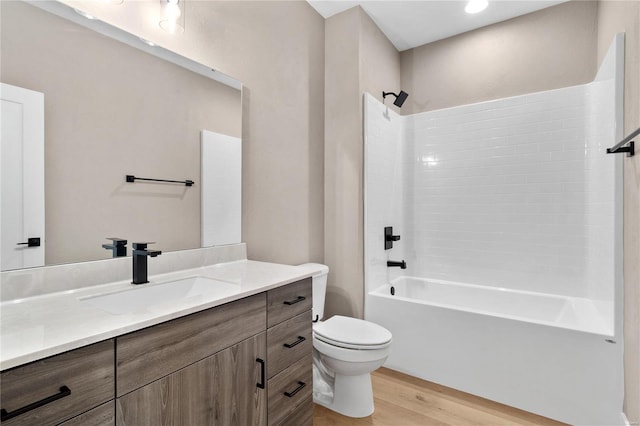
<point>392,263</point>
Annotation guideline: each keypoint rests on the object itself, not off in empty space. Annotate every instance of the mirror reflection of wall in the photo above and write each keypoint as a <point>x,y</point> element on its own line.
<point>113,110</point>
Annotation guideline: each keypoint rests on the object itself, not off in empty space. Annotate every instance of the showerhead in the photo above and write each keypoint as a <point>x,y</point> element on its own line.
<point>400,97</point>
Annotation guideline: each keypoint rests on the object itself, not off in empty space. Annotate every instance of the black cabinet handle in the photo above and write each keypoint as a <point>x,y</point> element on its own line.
<point>5,415</point>
<point>31,242</point>
<point>294,301</point>
<point>296,390</point>
<point>297,342</point>
<point>262,373</point>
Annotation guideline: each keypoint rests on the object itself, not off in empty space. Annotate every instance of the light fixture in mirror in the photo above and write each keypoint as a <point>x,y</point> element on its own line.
<point>172,16</point>
<point>476,6</point>
<point>105,117</point>
<point>85,14</point>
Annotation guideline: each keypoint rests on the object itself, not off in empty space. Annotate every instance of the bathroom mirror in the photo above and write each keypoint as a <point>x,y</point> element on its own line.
<point>111,110</point>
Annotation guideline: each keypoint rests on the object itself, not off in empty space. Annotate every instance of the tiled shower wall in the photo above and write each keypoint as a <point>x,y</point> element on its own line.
<point>514,193</point>
<point>386,189</point>
<point>499,192</point>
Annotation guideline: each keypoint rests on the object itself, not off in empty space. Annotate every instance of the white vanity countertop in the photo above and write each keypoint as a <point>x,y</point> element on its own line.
<point>37,327</point>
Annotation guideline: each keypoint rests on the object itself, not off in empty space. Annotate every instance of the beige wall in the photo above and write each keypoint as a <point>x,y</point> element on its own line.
<point>112,110</point>
<point>276,48</point>
<point>543,50</point>
<point>358,58</point>
<point>614,17</point>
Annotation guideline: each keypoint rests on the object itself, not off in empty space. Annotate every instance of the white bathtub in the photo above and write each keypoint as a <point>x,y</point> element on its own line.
<point>546,354</point>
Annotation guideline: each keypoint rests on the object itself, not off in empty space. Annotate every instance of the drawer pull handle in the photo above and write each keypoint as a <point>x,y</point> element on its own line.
<point>296,390</point>
<point>294,301</point>
<point>262,373</point>
<point>5,415</point>
<point>297,342</point>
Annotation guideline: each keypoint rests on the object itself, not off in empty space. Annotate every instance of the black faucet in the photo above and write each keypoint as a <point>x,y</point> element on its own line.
<point>118,247</point>
<point>392,263</point>
<point>140,254</point>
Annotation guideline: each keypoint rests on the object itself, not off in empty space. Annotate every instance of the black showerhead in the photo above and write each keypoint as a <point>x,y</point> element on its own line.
<point>400,97</point>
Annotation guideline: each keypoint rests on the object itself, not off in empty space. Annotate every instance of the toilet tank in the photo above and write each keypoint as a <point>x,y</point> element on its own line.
<point>319,287</point>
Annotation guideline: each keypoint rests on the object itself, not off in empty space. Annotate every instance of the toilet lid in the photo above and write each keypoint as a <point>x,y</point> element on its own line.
<point>352,332</point>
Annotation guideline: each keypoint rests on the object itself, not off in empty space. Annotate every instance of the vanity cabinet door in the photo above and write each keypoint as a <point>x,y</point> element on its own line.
<point>55,389</point>
<point>155,352</point>
<point>219,390</point>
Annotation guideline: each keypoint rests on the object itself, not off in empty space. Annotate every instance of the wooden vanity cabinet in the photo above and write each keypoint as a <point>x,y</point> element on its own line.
<point>221,389</point>
<point>55,389</point>
<point>289,354</point>
<point>199,369</point>
<point>155,352</point>
<point>247,362</point>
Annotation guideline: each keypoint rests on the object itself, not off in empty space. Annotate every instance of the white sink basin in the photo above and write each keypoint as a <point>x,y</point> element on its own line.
<point>157,297</point>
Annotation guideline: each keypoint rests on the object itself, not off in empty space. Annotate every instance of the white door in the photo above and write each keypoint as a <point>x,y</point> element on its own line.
<point>22,162</point>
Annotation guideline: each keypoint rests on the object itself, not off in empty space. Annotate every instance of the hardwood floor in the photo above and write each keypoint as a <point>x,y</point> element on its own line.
<point>403,400</point>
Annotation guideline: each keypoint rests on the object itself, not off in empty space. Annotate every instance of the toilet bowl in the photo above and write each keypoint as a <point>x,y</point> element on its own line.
<point>345,352</point>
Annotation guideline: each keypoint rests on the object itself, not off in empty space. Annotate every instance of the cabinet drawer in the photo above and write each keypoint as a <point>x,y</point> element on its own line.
<point>288,301</point>
<point>104,415</point>
<point>287,342</point>
<point>147,355</point>
<point>288,389</point>
<point>302,416</point>
<point>76,381</point>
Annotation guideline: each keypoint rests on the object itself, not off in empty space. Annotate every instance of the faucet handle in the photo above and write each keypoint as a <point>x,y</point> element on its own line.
<point>117,241</point>
<point>142,245</point>
<point>118,246</point>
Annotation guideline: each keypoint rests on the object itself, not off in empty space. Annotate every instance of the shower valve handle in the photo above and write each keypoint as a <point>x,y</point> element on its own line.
<point>389,238</point>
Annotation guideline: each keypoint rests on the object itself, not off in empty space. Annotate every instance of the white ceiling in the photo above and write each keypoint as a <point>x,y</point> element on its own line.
<point>416,22</point>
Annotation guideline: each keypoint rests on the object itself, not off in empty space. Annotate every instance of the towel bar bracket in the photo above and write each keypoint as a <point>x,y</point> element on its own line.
<point>629,149</point>
<point>628,141</point>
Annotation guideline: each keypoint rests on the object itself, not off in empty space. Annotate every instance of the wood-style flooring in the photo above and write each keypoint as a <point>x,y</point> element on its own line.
<point>402,400</point>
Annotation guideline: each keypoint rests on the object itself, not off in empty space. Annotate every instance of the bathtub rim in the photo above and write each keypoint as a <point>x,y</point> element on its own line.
<point>603,330</point>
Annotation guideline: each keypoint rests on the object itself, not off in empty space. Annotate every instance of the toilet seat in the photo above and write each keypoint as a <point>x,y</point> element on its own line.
<point>352,333</point>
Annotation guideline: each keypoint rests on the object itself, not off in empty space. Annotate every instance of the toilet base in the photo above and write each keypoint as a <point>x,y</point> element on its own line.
<point>352,396</point>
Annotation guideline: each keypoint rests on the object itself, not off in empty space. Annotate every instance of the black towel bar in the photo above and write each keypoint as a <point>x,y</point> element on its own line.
<point>132,178</point>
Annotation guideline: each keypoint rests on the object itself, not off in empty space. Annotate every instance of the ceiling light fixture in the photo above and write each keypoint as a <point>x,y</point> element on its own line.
<point>475,6</point>
<point>171,16</point>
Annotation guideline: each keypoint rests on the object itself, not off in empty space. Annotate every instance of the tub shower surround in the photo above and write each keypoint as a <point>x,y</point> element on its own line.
<point>509,212</point>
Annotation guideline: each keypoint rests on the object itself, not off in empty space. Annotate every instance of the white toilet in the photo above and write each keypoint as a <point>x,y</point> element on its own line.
<point>345,352</point>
